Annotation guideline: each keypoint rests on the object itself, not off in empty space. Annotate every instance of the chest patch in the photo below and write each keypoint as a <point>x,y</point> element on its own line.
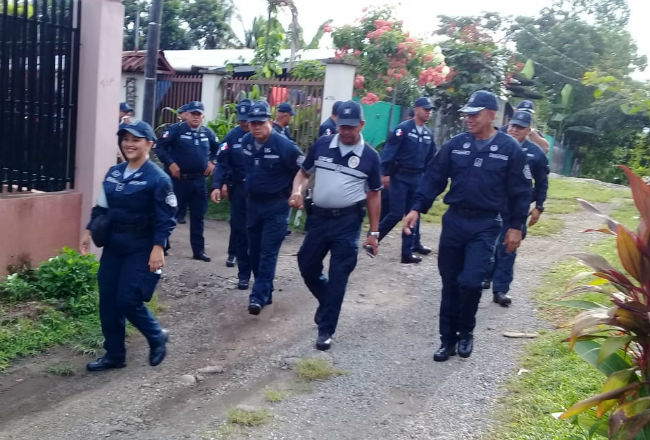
<point>478,162</point>
<point>116,173</point>
<point>466,145</point>
<point>353,162</point>
<point>325,159</point>
<point>494,147</point>
<point>498,156</point>
<point>461,152</point>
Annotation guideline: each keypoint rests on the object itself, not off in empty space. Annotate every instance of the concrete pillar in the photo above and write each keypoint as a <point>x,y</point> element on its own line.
<point>211,93</point>
<point>339,83</point>
<point>99,96</point>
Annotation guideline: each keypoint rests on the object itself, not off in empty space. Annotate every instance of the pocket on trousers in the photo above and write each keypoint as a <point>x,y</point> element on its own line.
<point>148,285</point>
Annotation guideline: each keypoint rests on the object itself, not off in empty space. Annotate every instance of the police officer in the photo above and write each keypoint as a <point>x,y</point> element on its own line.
<point>519,128</point>
<point>488,173</point>
<point>138,199</point>
<point>535,136</point>
<point>181,213</point>
<point>403,159</point>
<point>283,116</point>
<point>329,126</point>
<point>228,181</point>
<point>126,113</point>
<point>272,161</point>
<point>338,161</point>
<point>188,151</point>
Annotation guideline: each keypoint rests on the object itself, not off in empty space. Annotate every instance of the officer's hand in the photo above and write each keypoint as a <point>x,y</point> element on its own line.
<point>175,170</point>
<point>373,242</point>
<point>534,216</point>
<point>224,191</point>
<point>84,243</point>
<point>295,201</point>
<point>410,221</point>
<point>512,240</point>
<point>215,195</point>
<point>385,181</point>
<point>209,169</point>
<point>156,258</point>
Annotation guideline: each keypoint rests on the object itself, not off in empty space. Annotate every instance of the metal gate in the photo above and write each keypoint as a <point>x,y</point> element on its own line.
<point>39,60</point>
<point>174,91</point>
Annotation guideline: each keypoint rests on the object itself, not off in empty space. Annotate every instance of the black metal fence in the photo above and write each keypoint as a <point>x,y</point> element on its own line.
<point>39,64</point>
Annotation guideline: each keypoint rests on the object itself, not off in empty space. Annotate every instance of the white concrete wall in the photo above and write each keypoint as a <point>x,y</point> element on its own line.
<point>211,94</point>
<point>99,96</point>
<point>339,83</point>
<point>139,91</point>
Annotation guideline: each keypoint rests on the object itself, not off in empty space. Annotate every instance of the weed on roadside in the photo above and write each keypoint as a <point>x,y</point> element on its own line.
<point>249,417</point>
<point>224,432</point>
<point>274,395</point>
<point>60,370</point>
<point>317,369</point>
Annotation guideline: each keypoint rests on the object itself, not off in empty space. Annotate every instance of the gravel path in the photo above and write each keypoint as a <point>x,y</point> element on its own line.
<point>392,389</point>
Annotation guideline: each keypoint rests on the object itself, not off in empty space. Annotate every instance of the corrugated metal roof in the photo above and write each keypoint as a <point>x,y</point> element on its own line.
<point>135,62</point>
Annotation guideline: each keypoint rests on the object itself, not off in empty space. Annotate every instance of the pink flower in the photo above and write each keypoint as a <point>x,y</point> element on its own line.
<point>327,28</point>
<point>369,99</point>
<point>389,89</point>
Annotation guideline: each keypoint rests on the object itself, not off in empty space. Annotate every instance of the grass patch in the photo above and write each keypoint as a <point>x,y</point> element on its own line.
<point>218,211</point>
<point>274,395</point>
<point>245,417</point>
<point>547,225</point>
<point>570,188</point>
<point>61,370</point>
<point>561,206</point>
<point>317,369</point>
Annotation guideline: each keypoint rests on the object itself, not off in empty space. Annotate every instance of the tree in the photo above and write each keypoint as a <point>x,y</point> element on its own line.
<point>172,34</point>
<point>209,23</point>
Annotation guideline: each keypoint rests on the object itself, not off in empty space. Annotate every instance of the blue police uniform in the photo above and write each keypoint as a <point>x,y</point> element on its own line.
<point>404,158</point>
<point>335,227</point>
<point>504,261</point>
<point>141,208</point>
<point>190,149</point>
<point>269,172</point>
<point>283,131</point>
<point>327,128</point>
<point>487,178</point>
<point>231,169</point>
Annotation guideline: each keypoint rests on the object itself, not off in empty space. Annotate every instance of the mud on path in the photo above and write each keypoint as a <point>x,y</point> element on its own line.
<point>387,333</point>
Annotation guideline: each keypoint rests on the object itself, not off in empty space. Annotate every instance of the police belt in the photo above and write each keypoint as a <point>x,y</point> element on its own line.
<point>357,208</point>
<point>265,197</point>
<point>185,176</point>
<point>471,212</point>
<point>408,170</point>
<point>131,228</point>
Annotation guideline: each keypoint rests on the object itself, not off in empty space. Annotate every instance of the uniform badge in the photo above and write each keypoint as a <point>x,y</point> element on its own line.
<point>171,200</point>
<point>398,132</point>
<point>467,145</point>
<point>328,132</point>
<point>119,187</point>
<point>353,162</point>
<point>478,162</point>
<point>527,174</point>
<point>494,147</point>
<point>299,160</point>
<point>116,173</point>
<point>224,146</point>
<point>166,134</point>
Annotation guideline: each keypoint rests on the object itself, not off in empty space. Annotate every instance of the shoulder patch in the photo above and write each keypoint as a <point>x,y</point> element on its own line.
<point>166,134</point>
<point>171,200</point>
<point>399,132</point>
<point>527,174</point>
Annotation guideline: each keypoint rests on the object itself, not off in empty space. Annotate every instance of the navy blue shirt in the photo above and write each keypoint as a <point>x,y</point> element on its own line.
<point>327,128</point>
<point>283,130</point>
<point>406,149</point>
<point>538,164</point>
<point>189,149</point>
<point>231,160</point>
<point>271,168</point>
<point>495,178</point>
<point>145,198</point>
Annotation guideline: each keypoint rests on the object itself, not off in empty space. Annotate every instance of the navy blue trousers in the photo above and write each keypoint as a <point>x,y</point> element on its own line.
<point>340,237</point>
<point>124,280</point>
<point>266,223</point>
<point>193,194</point>
<point>504,264</point>
<point>238,234</point>
<point>464,260</point>
<point>401,194</point>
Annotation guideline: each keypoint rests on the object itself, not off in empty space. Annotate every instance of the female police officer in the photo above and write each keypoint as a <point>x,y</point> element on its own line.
<point>137,198</point>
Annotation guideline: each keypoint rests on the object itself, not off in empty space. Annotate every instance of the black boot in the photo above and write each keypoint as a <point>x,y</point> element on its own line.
<point>443,353</point>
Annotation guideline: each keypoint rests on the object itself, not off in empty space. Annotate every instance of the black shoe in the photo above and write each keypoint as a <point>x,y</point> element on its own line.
<point>231,260</point>
<point>202,256</point>
<point>443,353</point>
<point>485,284</point>
<point>181,221</point>
<point>409,259</point>
<point>422,250</point>
<point>243,284</point>
<point>104,363</point>
<point>254,308</point>
<point>318,315</point>
<point>465,346</point>
<point>502,299</point>
<point>158,351</point>
<point>324,341</point>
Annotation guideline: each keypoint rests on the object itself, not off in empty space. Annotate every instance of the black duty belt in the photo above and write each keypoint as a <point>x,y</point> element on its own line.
<point>336,212</point>
<point>131,228</point>
<point>407,170</point>
<point>472,212</point>
<point>191,175</point>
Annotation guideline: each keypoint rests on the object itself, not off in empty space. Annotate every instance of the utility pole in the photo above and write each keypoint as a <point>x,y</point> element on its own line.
<point>153,41</point>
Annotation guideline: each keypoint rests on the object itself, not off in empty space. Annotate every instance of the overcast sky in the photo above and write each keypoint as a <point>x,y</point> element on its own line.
<point>419,16</point>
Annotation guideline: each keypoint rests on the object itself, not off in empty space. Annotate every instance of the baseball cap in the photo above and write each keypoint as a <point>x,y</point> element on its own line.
<point>138,129</point>
<point>125,107</point>
<point>423,102</point>
<point>335,108</point>
<point>259,111</point>
<point>522,118</point>
<point>527,106</point>
<point>480,100</point>
<point>242,109</point>
<point>350,113</point>
<point>285,107</point>
<point>182,108</point>
<point>195,106</point>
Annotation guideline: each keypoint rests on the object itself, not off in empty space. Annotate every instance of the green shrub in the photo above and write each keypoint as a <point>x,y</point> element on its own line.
<point>68,275</point>
<point>16,287</point>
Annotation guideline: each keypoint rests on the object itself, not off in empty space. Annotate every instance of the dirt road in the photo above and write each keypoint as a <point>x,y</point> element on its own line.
<point>392,389</point>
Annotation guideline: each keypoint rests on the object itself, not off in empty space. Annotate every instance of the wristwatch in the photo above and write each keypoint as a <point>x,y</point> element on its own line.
<point>373,234</point>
